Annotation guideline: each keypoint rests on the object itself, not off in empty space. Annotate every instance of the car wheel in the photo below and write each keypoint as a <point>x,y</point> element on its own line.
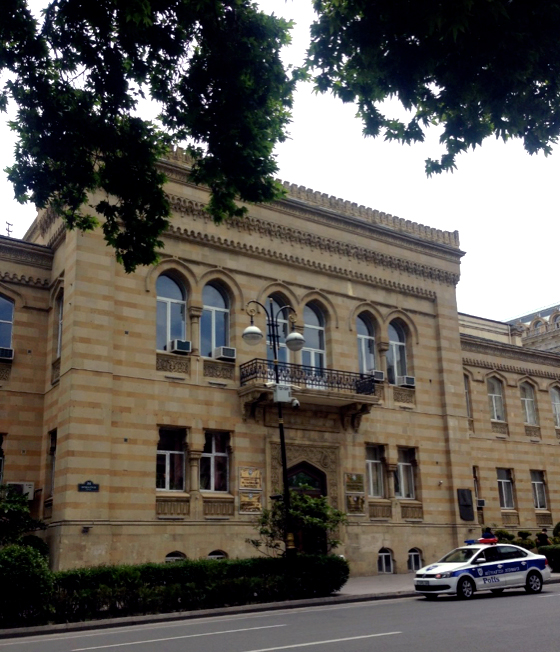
<point>430,596</point>
<point>496,591</point>
<point>465,588</point>
<point>533,584</point>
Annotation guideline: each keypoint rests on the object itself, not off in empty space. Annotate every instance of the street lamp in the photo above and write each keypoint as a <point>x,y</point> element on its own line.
<point>294,342</point>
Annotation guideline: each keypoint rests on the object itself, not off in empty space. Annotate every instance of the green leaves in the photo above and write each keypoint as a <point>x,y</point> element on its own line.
<point>15,520</point>
<point>477,67</point>
<point>214,68</point>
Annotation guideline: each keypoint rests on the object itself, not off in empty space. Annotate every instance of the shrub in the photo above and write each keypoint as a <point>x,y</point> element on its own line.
<point>552,554</point>
<point>504,536</point>
<point>528,544</point>
<point>524,534</point>
<point>40,545</point>
<point>27,586</point>
<point>556,531</point>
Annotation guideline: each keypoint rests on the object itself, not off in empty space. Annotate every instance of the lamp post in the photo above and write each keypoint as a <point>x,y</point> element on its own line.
<point>294,342</point>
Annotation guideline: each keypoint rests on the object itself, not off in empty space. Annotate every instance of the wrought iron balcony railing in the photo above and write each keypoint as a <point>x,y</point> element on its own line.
<point>308,377</point>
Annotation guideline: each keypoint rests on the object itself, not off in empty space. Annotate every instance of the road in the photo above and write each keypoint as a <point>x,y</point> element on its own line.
<point>511,622</point>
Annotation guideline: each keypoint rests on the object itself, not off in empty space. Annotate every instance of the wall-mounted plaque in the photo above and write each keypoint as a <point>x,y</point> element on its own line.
<point>250,478</point>
<point>250,502</point>
<point>354,482</point>
<point>88,486</point>
<point>355,504</point>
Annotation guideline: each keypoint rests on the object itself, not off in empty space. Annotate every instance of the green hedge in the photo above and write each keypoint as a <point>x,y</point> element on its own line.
<point>112,591</point>
<point>552,553</point>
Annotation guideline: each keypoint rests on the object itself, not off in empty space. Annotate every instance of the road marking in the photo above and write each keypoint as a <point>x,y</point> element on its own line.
<point>175,638</point>
<point>550,595</point>
<point>332,640</point>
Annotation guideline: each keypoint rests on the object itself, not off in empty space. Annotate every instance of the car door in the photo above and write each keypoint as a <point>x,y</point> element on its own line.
<point>515,564</point>
<point>490,573</point>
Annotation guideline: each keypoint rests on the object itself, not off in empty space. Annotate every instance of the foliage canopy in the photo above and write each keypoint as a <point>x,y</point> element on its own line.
<point>15,519</point>
<point>475,67</point>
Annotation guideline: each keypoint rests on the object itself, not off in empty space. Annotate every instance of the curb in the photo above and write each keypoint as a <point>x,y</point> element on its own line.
<point>20,632</point>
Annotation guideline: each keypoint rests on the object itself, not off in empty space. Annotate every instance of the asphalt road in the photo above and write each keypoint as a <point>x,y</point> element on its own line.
<point>512,622</point>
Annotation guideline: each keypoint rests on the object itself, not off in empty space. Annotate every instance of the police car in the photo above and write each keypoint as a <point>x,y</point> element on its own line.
<point>483,567</point>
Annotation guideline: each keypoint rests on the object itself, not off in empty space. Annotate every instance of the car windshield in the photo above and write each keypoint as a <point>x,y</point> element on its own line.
<point>459,555</point>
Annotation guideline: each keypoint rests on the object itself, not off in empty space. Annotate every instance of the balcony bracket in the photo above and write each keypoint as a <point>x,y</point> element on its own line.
<point>351,415</point>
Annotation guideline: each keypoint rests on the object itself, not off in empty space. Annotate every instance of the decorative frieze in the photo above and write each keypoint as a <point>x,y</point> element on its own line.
<point>381,511</point>
<point>404,395</point>
<point>5,370</point>
<point>412,512</point>
<point>225,370</point>
<point>533,431</point>
<point>173,363</point>
<point>218,506</point>
<point>543,518</point>
<point>507,351</point>
<point>25,253</point>
<point>500,428</point>
<point>172,507</point>
<point>510,518</point>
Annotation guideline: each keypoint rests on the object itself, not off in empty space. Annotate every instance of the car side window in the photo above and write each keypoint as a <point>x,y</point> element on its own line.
<point>509,552</point>
<point>492,554</point>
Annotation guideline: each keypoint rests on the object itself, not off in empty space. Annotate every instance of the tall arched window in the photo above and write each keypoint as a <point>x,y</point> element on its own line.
<point>538,327</point>
<point>496,399</point>
<point>59,318</point>
<point>214,324</point>
<point>396,355</point>
<point>385,561</point>
<point>414,560</point>
<point>557,321</point>
<point>278,302</point>
<point>528,403</point>
<point>171,312</point>
<point>366,343</point>
<point>468,396</point>
<point>6,322</point>
<point>555,398</point>
<point>313,353</point>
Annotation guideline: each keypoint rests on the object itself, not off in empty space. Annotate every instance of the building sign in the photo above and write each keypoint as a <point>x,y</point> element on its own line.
<point>354,483</point>
<point>88,486</point>
<point>250,502</point>
<point>250,478</point>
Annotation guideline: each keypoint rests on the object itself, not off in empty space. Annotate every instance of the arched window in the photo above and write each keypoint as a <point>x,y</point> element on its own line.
<point>6,322</point>
<point>175,556</point>
<point>214,324</point>
<point>468,395</point>
<point>385,561</point>
<point>278,302</point>
<point>313,353</point>
<point>414,560</point>
<point>217,554</point>
<point>171,312</point>
<point>528,403</point>
<point>555,398</point>
<point>366,343</point>
<point>496,399</point>
<point>538,327</point>
<point>396,355</point>
<point>557,321</point>
<point>59,316</point>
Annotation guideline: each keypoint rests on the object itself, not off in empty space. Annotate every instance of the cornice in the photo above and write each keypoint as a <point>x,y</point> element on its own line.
<point>521,371</point>
<point>304,200</point>
<point>477,345</point>
<point>288,235</point>
<point>25,253</point>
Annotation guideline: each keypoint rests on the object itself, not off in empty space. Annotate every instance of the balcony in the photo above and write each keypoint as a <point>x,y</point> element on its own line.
<point>351,393</point>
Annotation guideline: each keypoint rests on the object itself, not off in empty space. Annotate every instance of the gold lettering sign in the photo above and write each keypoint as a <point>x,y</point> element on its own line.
<point>354,482</point>
<point>354,504</point>
<point>250,478</point>
<point>250,502</point>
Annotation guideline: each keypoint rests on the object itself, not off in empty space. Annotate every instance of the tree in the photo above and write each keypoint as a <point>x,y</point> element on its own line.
<point>313,521</point>
<point>15,519</point>
<point>475,67</point>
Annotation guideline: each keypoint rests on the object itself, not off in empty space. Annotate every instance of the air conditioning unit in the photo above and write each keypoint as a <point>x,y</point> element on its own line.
<point>226,353</point>
<point>378,376</point>
<point>480,503</point>
<point>406,381</point>
<point>23,488</point>
<point>6,355</point>
<point>182,347</point>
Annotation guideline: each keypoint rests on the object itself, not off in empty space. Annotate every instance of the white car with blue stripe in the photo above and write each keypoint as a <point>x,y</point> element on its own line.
<point>482,567</point>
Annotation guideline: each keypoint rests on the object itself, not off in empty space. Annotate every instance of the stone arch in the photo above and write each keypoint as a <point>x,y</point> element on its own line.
<point>367,307</point>
<point>227,282</point>
<point>310,475</point>
<point>538,325</point>
<point>13,295</point>
<point>321,299</point>
<point>177,269</point>
<point>397,314</point>
<point>279,288</point>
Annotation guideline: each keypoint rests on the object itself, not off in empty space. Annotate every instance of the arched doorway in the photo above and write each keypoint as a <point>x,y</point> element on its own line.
<point>310,481</point>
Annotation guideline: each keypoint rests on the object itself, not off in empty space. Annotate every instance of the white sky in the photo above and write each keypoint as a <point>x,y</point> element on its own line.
<point>502,201</point>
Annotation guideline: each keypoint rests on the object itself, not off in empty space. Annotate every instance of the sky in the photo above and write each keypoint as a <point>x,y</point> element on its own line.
<point>502,201</point>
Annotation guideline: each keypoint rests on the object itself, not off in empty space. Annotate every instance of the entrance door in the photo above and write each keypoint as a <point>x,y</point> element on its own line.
<point>307,479</point>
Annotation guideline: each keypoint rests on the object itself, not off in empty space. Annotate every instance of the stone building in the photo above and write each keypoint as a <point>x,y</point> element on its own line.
<point>143,427</point>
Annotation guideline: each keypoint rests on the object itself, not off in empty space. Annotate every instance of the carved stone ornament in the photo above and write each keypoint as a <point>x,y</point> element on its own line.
<point>351,415</point>
<point>507,351</point>
<point>533,431</point>
<point>316,420</point>
<point>173,363</point>
<point>5,371</point>
<point>499,427</point>
<point>324,458</point>
<point>224,370</point>
<point>381,511</point>
<point>404,395</point>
